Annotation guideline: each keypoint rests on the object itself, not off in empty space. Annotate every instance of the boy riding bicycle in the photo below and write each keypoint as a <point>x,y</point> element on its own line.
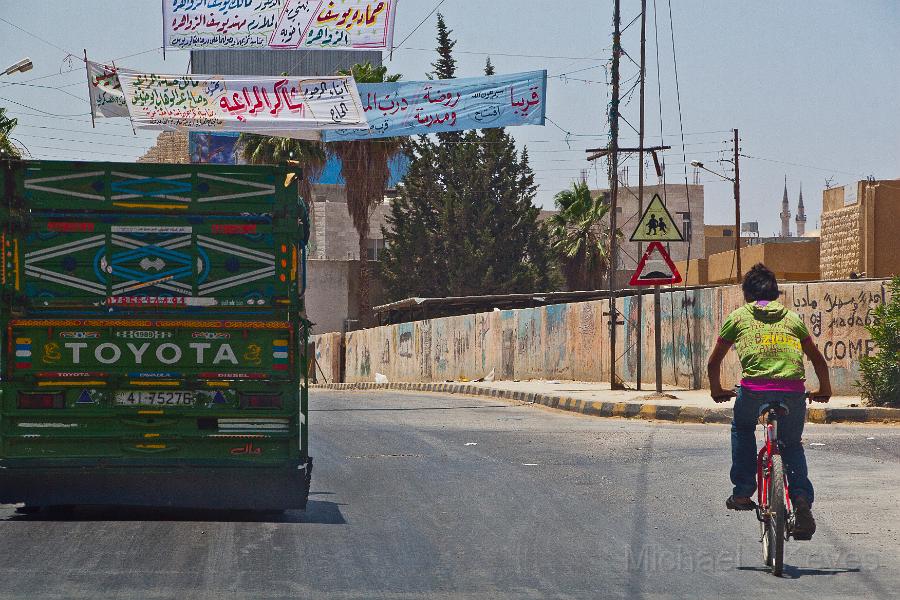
<point>770,341</point>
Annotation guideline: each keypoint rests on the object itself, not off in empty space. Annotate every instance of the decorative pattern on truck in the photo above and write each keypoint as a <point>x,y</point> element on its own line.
<point>122,189</point>
<point>156,265</point>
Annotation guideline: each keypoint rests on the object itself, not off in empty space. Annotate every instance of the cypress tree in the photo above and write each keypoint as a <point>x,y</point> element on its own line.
<point>464,222</point>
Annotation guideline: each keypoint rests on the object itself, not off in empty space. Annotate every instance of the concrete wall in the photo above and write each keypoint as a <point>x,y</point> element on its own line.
<point>716,240</point>
<point>328,300</point>
<point>328,357</point>
<point>792,261</point>
<point>695,272</point>
<point>331,288</point>
<point>569,341</point>
<point>333,235</point>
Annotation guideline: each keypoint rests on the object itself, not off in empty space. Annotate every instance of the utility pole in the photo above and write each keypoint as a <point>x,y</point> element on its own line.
<point>614,188</point>
<point>640,251</point>
<point>737,206</point>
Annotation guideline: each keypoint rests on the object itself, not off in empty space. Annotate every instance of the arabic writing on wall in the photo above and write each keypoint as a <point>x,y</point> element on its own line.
<point>283,24</point>
<point>837,321</point>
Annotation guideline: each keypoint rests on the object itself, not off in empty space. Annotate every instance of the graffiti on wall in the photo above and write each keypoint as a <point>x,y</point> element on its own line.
<point>565,341</point>
<point>837,320</point>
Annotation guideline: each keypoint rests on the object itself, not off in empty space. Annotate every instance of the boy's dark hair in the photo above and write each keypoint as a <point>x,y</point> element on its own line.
<point>760,284</point>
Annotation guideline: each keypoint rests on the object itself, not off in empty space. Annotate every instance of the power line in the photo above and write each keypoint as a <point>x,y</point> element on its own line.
<point>39,110</point>
<point>479,53</point>
<point>792,164</point>
<point>422,22</point>
<point>37,37</point>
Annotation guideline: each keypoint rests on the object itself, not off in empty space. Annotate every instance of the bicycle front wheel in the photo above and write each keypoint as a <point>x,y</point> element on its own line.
<point>777,516</point>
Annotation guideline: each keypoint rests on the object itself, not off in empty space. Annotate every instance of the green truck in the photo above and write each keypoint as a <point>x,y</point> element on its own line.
<point>154,345</point>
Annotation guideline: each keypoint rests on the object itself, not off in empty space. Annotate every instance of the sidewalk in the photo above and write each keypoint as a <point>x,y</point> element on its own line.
<point>596,399</point>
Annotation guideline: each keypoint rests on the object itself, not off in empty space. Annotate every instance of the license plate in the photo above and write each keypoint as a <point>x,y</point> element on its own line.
<point>156,398</point>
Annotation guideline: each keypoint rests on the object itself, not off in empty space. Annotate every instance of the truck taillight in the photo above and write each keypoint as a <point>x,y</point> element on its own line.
<point>42,400</point>
<point>259,400</point>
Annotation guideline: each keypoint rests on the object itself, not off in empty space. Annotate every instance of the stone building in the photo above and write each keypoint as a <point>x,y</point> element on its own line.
<point>859,235</point>
<point>333,235</point>
<point>171,147</point>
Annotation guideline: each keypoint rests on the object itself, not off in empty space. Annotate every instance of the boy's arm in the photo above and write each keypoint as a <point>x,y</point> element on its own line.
<point>823,394</point>
<point>713,372</point>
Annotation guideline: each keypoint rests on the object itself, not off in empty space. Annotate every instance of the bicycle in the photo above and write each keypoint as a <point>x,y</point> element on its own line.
<point>773,507</point>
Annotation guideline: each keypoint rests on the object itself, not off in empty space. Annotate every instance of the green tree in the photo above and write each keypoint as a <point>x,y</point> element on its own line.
<point>413,262</point>
<point>364,166</point>
<point>7,148</point>
<point>445,67</point>
<point>580,237</point>
<point>880,373</point>
<point>465,221</point>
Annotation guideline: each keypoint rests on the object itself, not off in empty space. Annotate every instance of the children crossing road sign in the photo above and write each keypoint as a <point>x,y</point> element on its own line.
<point>655,268</point>
<point>657,225</point>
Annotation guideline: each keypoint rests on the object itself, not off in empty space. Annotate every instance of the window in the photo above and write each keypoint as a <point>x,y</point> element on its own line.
<point>375,248</point>
<point>686,229</point>
<point>726,233</point>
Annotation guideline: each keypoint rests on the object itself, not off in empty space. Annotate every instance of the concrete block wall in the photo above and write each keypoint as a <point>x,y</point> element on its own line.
<point>570,341</point>
<point>328,357</point>
<point>841,252</point>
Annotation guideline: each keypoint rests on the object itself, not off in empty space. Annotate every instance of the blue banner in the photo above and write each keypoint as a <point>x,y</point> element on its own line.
<point>423,107</point>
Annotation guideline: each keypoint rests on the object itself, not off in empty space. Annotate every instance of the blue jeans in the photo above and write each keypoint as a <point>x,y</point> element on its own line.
<point>790,432</point>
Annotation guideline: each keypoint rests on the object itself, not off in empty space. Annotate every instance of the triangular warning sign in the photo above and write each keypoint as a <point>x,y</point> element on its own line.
<point>657,225</point>
<point>84,398</point>
<point>219,398</point>
<point>655,268</point>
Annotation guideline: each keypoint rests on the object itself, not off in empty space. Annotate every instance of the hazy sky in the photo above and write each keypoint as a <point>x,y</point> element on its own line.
<point>813,86</point>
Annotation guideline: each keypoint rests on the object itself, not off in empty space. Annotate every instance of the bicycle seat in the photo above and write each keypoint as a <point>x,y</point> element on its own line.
<point>780,408</point>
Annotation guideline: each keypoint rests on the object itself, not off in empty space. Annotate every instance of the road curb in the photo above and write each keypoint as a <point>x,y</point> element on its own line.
<point>628,410</point>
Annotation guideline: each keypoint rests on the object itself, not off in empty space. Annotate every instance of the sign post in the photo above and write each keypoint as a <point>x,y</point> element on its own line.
<point>656,267</point>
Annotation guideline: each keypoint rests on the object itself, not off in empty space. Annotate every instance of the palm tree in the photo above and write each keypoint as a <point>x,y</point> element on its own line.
<point>7,148</point>
<point>264,150</point>
<point>364,167</point>
<point>581,238</point>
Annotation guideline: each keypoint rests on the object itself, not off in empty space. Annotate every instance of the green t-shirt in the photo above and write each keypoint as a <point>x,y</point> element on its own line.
<point>767,339</point>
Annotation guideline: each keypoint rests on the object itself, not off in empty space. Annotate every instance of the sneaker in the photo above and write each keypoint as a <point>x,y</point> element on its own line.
<point>804,523</point>
<point>739,503</point>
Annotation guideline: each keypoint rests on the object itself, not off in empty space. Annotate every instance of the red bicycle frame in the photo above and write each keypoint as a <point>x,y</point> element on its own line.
<point>764,462</point>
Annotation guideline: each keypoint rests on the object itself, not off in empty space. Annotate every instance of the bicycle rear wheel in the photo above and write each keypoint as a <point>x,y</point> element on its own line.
<point>777,517</point>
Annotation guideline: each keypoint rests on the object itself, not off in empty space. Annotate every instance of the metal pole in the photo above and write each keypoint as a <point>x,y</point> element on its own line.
<point>737,207</point>
<point>657,336</point>
<point>640,250</point>
<point>614,188</point>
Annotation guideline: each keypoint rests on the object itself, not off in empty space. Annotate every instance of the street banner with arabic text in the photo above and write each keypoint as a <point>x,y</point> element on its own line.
<point>423,107</point>
<point>279,24</point>
<point>107,98</point>
<point>296,107</point>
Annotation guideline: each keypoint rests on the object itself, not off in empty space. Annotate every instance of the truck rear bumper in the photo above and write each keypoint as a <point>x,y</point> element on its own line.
<point>227,488</point>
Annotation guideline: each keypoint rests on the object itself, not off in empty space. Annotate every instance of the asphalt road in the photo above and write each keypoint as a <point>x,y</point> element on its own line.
<point>427,496</point>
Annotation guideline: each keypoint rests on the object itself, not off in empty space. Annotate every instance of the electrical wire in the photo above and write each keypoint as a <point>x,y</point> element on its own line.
<point>37,37</point>
<point>793,164</point>
<point>416,28</point>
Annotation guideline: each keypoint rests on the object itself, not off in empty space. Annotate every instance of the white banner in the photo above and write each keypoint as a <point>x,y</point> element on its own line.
<point>279,24</point>
<point>107,98</point>
<point>284,106</point>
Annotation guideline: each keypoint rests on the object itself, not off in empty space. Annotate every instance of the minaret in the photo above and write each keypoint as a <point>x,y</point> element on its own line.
<point>785,213</point>
<point>801,215</point>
